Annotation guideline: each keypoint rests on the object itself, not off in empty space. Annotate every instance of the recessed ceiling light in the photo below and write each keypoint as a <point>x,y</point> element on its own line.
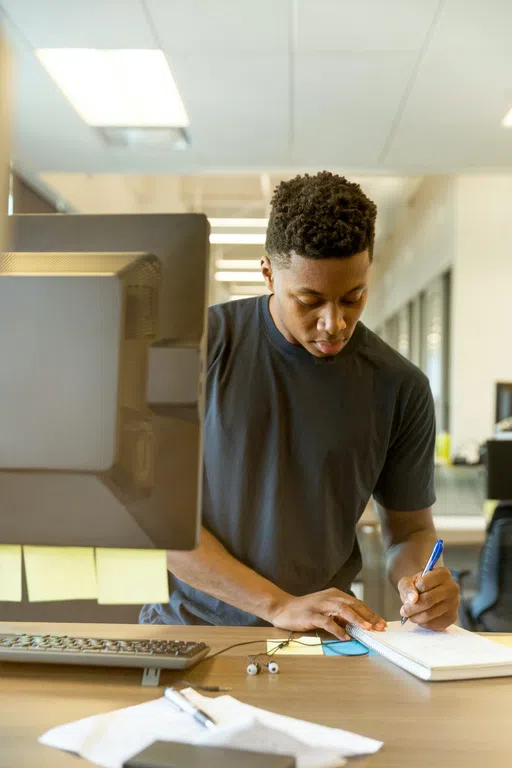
<point>237,264</point>
<point>242,277</point>
<point>112,88</point>
<point>231,238</point>
<point>226,223</point>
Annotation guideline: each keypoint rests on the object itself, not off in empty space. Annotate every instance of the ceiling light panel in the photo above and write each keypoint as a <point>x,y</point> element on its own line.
<point>110,88</point>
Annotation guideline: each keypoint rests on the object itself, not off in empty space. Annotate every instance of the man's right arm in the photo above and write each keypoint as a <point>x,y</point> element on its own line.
<point>213,570</point>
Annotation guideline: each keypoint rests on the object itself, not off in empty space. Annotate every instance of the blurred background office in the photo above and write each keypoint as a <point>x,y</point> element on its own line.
<point>142,106</point>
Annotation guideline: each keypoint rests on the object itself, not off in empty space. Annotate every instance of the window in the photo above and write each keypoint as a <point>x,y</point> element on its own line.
<point>435,305</point>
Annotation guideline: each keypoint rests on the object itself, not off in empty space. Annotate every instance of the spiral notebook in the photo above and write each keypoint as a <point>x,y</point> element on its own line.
<point>454,654</point>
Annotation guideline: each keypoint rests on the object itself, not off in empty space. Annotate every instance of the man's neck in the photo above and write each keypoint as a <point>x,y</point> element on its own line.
<point>274,314</point>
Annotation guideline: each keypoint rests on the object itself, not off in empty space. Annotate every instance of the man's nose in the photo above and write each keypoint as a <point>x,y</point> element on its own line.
<point>332,320</point>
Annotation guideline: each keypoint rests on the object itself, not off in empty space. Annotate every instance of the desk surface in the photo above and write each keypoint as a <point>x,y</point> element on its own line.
<point>457,724</point>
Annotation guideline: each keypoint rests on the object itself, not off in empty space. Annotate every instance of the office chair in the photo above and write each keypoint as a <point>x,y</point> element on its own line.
<point>490,610</point>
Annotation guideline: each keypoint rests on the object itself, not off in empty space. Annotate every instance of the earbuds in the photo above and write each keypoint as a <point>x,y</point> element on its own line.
<point>254,667</point>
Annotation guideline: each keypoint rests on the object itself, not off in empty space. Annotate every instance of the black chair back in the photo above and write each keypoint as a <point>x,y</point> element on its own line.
<point>491,608</point>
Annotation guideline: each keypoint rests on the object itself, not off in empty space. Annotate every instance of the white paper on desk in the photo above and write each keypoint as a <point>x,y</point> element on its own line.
<point>226,708</point>
<point>109,740</point>
<point>254,736</point>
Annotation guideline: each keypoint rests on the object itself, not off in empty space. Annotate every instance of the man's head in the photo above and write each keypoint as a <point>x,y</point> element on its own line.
<point>320,247</point>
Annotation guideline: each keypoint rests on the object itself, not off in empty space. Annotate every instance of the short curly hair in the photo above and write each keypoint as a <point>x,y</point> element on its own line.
<point>319,217</point>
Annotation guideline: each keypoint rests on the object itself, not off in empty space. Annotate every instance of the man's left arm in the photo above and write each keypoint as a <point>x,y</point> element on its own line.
<point>432,601</point>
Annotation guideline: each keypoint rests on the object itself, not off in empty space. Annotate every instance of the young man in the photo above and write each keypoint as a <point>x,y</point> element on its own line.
<point>309,414</point>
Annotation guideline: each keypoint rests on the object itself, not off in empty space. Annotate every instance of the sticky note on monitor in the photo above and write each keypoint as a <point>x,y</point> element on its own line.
<point>60,573</point>
<point>299,646</point>
<point>10,573</point>
<point>131,576</point>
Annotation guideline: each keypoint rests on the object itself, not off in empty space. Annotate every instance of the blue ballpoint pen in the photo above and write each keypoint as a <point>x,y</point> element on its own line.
<point>434,557</point>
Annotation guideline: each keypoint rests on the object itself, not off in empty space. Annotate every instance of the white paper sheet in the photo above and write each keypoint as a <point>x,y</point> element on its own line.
<point>109,740</point>
<point>225,709</point>
<point>257,737</point>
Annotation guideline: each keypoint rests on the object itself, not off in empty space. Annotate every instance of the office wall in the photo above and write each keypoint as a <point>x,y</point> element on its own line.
<point>218,292</point>
<point>421,248</point>
<point>463,223</point>
<point>482,303</point>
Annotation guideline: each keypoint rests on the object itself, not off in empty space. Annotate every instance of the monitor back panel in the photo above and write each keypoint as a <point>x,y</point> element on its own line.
<point>117,459</point>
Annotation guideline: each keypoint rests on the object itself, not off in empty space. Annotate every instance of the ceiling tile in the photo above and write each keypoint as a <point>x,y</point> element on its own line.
<point>238,106</point>
<point>473,25</point>
<point>81,23</point>
<point>48,135</point>
<point>452,119</point>
<point>223,26</point>
<point>363,25</point>
<point>339,123</point>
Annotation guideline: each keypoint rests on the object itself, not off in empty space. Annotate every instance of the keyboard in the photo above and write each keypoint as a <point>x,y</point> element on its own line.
<point>93,651</point>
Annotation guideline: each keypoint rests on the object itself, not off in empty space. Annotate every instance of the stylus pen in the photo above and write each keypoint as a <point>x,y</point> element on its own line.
<point>434,557</point>
<point>186,706</point>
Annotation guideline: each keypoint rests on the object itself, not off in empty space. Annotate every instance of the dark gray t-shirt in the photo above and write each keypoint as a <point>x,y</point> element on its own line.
<point>294,448</point>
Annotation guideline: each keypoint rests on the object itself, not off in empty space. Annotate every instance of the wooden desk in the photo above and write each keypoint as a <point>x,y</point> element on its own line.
<point>439,725</point>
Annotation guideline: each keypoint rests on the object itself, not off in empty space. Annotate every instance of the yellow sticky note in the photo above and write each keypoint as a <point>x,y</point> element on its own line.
<point>10,573</point>
<point>501,639</point>
<point>301,646</point>
<point>60,573</point>
<point>131,576</point>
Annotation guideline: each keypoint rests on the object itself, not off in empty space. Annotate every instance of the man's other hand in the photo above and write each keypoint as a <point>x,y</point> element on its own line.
<point>432,600</point>
<point>330,610</point>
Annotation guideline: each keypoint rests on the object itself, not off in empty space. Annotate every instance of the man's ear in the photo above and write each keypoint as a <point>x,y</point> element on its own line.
<point>266,271</point>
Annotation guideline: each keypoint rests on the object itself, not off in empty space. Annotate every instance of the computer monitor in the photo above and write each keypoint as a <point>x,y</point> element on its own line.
<point>102,343</point>
<point>499,462</point>
<point>503,400</point>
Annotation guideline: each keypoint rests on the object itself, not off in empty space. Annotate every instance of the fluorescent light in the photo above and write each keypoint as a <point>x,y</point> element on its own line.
<point>507,120</point>
<point>244,277</point>
<point>110,88</point>
<point>237,239</point>
<point>237,263</point>
<point>256,223</point>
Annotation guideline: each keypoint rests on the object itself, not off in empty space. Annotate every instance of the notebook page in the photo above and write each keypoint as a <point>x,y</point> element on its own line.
<point>455,647</point>
<point>388,653</point>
